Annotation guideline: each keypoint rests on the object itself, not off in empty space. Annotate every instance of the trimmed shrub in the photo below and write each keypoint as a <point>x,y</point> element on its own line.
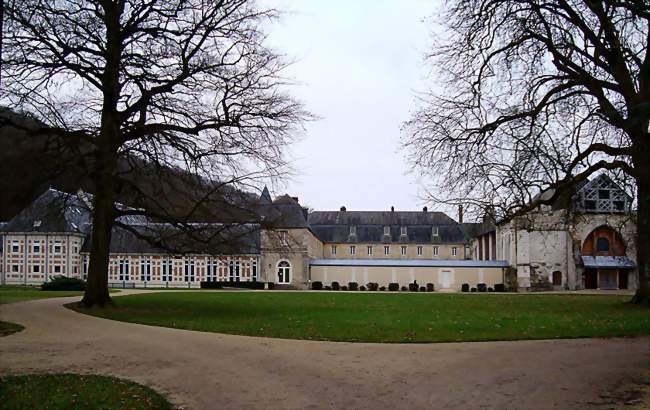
<point>499,287</point>
<point>383,288</point>
<point>317,285</point>
<point>335,286</point>
<point>423,289</point>
<point>404,289</point>
<point>64,283</point>
<point>473,290</point>
<point>373,286</point>
<point>413,287</point>
<point>328,288</point>
<point>344,287</point>
<point>393,287</point>
<point>481,287</point>
<point>430,287</point>
<point>362,288</point>
<point>490,290</point>
<point>353,285</point>
<point>271,285</point>
<point>465,287</point>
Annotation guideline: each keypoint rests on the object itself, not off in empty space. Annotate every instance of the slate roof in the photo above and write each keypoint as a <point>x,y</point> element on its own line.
<point>474,229</point>
<point>53,211</point>
<point>214,239</point>
<point>334,227</point>
<point>283,213</point>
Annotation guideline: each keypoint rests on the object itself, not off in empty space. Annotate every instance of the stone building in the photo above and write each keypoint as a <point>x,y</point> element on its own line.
<point>582,241</point>
<point>285,245</point>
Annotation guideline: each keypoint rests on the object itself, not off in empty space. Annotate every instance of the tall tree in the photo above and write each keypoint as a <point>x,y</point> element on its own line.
<point>536,95</point>
<point>153,85</point>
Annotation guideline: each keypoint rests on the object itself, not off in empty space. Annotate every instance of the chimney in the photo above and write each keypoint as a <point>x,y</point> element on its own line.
<point>460,214</point>
<point>392,209</point>
<point>295,198</point>
<point>425,209</point>
<point>343,209</point>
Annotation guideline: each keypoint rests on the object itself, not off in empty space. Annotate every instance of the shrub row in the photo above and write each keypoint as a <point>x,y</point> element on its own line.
<point>373,286</point>
<point>482,287</point>
<point>64,283</point>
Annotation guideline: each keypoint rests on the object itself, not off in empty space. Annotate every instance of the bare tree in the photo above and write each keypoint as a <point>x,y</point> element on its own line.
<point>149,86</point>
<point>536,95</point>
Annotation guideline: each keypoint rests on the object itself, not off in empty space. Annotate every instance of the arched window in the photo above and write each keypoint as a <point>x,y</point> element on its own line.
<point>602,244</point>
<point>284,272</point>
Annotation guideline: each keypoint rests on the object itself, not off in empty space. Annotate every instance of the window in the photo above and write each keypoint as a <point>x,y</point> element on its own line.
<point>333,249</point>
<point>284,238</point>
<point>435,251</point>
<point>36,247</point>
<point>454,251</point>
<point>386,230</point>
<point>233,270</point>
<point>602,245</point>
<point>353,230</point>
<point>590,204</point>
<point>254,269</point>
<point>353,250</point>
<point>85,266</point>
<point>167,266</point>
<point>603,194</point>
<point>557,278</point>
<point>15,247</point>
<point>57,248</point>
<point>434,231</point>
<point>619,205</point>
<point>419,248</point>
<point>403,250</point>
<point>402,231</point>
<point>14,268</point>
<point>212,270</point>
<point>386,250</point>
<point>369,250</point>
<point>57,268</point>
<point>124,269</point>
<point>75,249</point>
<point>145,270</point>
<point>36,268</point>
<point>284,272</point>
<point>189,270</point>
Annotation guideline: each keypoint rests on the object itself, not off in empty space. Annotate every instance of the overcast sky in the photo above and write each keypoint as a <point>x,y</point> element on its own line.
<point>359,64</point>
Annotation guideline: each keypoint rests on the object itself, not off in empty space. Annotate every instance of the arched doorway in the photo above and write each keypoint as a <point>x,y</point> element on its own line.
<point>284,272</point>
<point>602,253</point>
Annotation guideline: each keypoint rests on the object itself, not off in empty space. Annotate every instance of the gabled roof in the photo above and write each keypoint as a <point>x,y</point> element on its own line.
<point>284,212</point>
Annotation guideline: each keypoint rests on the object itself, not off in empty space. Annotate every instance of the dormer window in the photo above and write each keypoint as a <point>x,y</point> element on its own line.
<point>386,230</point>
<point>403,231</point>
<point>353,230</point>
<point>434,232</point>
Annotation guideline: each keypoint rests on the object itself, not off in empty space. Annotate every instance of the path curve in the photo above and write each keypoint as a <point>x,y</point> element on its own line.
<point>215,371</point>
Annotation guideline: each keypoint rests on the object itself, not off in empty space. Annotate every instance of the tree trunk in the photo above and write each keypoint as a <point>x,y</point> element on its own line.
<point>97,286</point>
<point>642,168</point>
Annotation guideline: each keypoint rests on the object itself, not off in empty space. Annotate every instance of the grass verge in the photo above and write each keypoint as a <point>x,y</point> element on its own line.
<point>7,328</point>
<point>13,293</point>
<point>72,391</point>
<point>372,317</point>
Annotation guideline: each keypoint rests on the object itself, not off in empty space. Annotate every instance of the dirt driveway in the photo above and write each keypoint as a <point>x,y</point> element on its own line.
<point>213,371</point>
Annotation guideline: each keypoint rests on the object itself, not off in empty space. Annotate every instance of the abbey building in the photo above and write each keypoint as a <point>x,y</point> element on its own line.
<point>585,242</point>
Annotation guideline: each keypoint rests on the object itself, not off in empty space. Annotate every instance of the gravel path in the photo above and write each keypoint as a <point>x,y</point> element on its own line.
<point>214,371</point>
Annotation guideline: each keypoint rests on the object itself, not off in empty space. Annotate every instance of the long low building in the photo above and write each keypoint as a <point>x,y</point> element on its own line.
<point>290,247</point>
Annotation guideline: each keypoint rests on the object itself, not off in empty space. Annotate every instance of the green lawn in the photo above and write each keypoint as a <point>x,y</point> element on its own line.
<point>7,328</point>
<point>71,391</point>
<point>11,294</point>
<point>381,317</point>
